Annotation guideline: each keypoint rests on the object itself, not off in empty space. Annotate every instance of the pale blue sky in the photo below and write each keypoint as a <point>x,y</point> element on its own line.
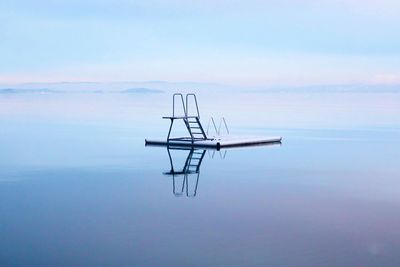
<point>229,42</point>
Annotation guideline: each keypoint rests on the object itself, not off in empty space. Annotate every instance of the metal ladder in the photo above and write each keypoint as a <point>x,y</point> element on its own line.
<point>195,129</point>
<point>191,119</point>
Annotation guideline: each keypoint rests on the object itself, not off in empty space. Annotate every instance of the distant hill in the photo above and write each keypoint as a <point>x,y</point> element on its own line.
<point>346,88</point>
<point>143,87</point>
<point>138,90</point>
<point>141,90</point>
<point>27,91</point>
<point>157,87</point>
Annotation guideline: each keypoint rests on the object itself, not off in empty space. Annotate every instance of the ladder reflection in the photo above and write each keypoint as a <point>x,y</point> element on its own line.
<point>185,180</point>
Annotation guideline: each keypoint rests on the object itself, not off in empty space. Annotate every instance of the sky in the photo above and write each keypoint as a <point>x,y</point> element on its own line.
<point>255,43</point>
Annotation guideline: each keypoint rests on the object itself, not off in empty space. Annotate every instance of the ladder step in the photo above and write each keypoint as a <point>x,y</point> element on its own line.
<point>195,127</point>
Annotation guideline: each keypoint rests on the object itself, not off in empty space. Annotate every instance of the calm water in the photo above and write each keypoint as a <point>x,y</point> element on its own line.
<point>79,188</point>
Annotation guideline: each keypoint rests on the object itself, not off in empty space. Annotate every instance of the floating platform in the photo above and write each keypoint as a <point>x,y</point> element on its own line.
<point>215,143</point>
<point>197,136</point>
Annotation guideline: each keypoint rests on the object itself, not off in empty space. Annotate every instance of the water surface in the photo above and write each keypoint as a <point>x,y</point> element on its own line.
<point>79,188</point>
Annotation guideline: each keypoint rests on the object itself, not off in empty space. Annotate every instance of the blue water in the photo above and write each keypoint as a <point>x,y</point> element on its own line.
<point>78,187</point>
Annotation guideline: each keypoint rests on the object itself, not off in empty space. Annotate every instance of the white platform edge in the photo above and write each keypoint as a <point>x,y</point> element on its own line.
<point>220,142</point>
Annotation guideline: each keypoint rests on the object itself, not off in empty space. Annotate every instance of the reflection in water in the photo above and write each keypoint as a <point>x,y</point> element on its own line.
<point>82,190</point>
<point>185,180</point>
<point>221,154</point>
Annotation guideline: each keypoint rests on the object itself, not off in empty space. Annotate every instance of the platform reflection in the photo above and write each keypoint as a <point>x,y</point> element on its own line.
<point>186,174</point>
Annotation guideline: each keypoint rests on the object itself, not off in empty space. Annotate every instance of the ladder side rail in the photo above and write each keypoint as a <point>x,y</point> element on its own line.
<point>173,104</point>
<point>213,123</point>
<point>226,125</point>
<point>201,128</point>
<point>189,129</point>
<point>220,124</point>
<point>195,101</point>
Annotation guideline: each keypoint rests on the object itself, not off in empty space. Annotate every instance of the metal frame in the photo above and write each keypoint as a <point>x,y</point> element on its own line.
<point>191,122</point>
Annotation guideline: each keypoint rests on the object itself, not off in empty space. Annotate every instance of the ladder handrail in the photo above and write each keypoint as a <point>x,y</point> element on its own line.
<point>173,104</point>
<point>226,126</point>
<point>187,104</point>
<point>217,130</point>
<point>213,122</point>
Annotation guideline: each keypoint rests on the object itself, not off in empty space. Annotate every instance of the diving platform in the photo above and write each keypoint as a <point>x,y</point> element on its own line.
<point>197,136</point>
